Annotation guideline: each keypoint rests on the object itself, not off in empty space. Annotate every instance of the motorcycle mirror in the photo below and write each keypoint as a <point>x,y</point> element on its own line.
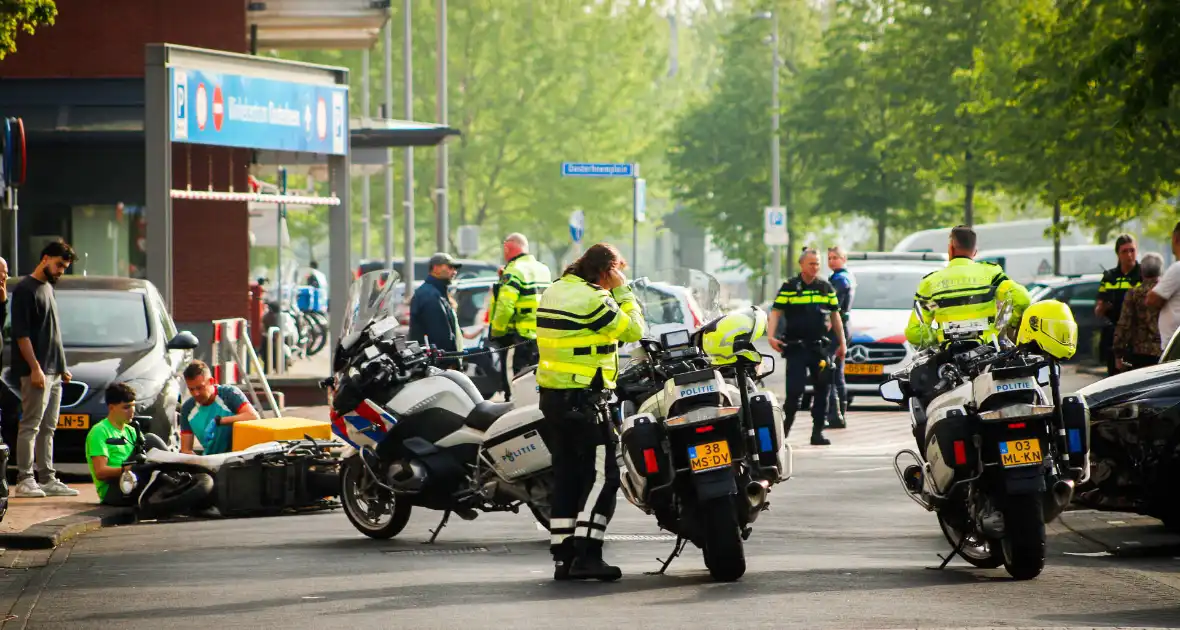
<point>891,391</point>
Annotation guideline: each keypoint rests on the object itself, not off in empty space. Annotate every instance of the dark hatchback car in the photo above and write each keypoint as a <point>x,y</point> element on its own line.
<point>1135,443</point>
<point>113,330</point>
<point>1081,294</point>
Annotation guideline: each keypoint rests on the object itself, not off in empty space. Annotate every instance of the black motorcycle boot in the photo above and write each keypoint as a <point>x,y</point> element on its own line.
<point>589,565</point>
<point>563,556</point>
<point>817,433</point>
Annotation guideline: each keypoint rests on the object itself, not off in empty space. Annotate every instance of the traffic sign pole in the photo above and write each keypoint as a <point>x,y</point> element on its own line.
<point>637,210</point>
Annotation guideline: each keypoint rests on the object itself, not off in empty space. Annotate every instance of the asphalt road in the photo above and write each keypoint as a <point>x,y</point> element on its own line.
<point>842,547</point>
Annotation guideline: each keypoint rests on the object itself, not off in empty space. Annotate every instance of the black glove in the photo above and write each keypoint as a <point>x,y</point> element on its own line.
<point>216,421</point>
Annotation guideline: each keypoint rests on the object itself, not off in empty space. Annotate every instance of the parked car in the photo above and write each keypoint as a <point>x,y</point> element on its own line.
<point>471,268</point>
<point>877,347</point>
<point>1135,443</point>
<point>113,330</point>
<point>1081,294</point>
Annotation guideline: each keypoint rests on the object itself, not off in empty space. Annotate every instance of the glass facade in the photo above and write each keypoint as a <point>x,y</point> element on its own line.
<point>109,240</point>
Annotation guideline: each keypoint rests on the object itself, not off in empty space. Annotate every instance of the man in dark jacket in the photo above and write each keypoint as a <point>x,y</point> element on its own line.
<point>432,319</point>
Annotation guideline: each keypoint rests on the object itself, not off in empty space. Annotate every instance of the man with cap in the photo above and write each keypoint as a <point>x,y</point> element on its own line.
<point>432,318</point>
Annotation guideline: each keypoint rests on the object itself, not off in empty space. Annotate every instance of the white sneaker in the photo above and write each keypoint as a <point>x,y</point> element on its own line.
<point>28,489</point>
<point>56,488</point>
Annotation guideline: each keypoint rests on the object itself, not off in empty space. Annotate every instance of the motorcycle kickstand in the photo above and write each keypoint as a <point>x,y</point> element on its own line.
<point>437,530</point>
<point>958,549</point>
<point>680,543</point>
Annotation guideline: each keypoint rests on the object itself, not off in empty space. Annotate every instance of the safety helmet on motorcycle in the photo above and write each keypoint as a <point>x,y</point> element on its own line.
<point>1050,326</point>
<point>719,336</point>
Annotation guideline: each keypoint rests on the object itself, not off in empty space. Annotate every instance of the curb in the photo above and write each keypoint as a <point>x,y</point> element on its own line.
<point>50,534</point>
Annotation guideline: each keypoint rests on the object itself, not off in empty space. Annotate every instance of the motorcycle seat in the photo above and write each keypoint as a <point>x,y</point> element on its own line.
<point>485,413</point>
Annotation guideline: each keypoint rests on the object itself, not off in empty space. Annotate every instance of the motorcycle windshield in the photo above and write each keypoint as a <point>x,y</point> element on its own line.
<point>370,298</point>
<point>677,298</point>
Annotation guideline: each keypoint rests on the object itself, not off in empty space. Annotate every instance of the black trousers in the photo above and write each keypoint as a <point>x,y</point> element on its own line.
<point>802,362</point>
<point>585,472</point>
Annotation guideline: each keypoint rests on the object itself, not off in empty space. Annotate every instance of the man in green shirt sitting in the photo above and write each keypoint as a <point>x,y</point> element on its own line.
<point>106,460</point>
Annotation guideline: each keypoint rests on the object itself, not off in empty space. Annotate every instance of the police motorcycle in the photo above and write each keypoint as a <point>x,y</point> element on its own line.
<point>701,443</point>
<point>1001,449</point>
<point>418,435</point>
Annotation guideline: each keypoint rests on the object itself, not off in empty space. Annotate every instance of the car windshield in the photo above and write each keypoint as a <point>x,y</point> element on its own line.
<point>886,289</point>
<point>102,318</point>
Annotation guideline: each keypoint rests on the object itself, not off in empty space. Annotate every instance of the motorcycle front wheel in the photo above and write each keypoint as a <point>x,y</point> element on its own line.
<point>1024,536</point>
<point>372,510</point>
<point>725,556</point>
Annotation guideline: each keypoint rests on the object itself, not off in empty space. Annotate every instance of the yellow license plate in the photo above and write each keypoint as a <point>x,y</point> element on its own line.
<point>864,369</point>
<point>706,456</point>
<point>73,421</point>
<point>1020,452</point>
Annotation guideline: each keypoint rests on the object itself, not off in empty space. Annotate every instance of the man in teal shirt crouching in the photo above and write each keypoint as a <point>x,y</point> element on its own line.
<point>106,460</point>
<point>209,415</point>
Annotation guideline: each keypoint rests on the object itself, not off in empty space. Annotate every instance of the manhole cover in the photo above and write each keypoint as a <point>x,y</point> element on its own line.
<point>623,537</point>
<point>452,551</point>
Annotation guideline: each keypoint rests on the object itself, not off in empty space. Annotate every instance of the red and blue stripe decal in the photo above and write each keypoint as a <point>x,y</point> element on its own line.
<point>367,424</point>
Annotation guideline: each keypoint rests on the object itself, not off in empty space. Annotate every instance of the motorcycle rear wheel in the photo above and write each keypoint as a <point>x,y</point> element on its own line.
<point>724,554</point>
<point>1024,537</point>
<point>978,551</point>
<point>357,492</point>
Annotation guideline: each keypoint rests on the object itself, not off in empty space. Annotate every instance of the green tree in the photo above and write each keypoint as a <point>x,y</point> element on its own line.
<point>719,151</point>
<point>951,65</point>
<point>531,85</point>
<point>18,16</point>
<point>853,130</point>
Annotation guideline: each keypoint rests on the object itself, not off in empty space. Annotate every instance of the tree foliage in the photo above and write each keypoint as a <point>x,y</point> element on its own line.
<point>17,16</point>
<point>532,84</point>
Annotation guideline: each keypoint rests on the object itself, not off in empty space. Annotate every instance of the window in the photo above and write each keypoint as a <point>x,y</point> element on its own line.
<point>890,290</point>
<point>102,318</point>
<point>660,307</point>
<point>1083,295</point>
<point>471,300</point>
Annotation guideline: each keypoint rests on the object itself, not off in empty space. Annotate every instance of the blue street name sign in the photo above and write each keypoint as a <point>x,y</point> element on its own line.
<point>585,169</point>
<point>250,112</point>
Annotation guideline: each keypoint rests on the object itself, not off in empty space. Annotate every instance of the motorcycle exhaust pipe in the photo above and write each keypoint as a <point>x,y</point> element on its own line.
<point>756,492</point>
<point>1059,497</point>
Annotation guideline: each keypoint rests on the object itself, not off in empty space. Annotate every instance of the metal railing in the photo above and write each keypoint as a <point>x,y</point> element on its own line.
<point>231,348</point>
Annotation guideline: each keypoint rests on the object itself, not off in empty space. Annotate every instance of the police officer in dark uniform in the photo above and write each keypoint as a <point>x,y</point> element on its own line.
<point>1115,284</point>
<point>806,306</point>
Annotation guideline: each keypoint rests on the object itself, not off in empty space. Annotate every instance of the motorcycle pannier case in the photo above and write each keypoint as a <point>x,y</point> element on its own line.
<point>1076,414</point>
<point>643,443</point>
<point>516,446</point>
<point>952,439</point>
<point>767,417</point>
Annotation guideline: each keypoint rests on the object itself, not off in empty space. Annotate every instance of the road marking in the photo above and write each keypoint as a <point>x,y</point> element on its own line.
<point>861,470</point>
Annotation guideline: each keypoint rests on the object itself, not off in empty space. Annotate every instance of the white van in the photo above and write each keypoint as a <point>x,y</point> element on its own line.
<point>1007,235</point>
<point>1027,263</point>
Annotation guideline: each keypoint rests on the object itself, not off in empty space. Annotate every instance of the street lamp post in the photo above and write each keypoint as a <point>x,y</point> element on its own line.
<point>775,176</point>
<point>775,165</point>
<point>442,218</point>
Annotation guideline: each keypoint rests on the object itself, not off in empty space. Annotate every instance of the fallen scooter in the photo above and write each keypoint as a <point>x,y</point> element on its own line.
<point>266,478</point>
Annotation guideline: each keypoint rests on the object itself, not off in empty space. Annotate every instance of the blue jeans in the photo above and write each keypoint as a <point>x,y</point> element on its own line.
<point>837,392</point>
